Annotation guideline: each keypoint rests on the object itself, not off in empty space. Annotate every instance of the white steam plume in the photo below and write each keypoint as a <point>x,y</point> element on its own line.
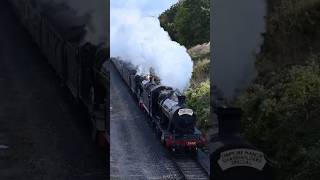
<point>97,28</point>
<point>137,37</point>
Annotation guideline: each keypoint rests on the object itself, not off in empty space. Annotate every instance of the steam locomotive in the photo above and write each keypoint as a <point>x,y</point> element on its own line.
<point>80,68</point>
<point>165,108</point>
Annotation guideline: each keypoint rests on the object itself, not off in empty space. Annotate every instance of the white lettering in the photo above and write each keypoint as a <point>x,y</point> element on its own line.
<point>241,157</point>
<point>185,111</point>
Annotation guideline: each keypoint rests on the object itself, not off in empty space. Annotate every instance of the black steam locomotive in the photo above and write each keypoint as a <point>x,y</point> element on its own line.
<point>165,107</point>
<point>81,68</point>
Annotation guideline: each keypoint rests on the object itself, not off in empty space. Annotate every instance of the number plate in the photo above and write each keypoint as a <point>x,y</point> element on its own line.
<point>191,143</point>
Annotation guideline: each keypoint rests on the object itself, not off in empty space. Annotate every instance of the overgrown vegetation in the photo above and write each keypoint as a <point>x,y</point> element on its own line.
<point>198,94</point>
<point>293,29</point>
<point>188,23</point>
<point>198,99</point>
<point>282,108</point>
<point>283,120</point>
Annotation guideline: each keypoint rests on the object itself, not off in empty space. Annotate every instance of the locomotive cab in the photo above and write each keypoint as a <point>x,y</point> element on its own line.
<point>155,93</point>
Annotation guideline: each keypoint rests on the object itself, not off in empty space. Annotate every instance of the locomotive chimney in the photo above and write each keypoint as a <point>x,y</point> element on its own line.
<point>181,99</point>
<point>228,120</point>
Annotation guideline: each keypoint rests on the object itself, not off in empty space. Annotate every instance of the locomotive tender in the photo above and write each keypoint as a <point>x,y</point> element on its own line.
<point>80,68</point>
<point>165,108</point>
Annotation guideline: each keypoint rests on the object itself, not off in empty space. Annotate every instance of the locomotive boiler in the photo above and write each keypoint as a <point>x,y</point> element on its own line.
<point>173,108</point>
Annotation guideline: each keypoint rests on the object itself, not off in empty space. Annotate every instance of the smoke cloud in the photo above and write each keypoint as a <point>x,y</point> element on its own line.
<point>236,36</point>
<point>137,37</point>
<point>94,15</point>
<point>97,29</point>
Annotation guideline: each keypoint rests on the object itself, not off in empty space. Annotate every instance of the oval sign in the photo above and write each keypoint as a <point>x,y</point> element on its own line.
<point>185,111</point>
<point>241,157</point>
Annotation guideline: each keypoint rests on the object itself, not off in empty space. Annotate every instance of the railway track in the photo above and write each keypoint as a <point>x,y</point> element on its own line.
<point>187,168</point>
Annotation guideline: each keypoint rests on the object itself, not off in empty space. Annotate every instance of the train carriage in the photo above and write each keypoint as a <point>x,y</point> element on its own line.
<point>59,60</point>
<point>52,47</point>
<point>72,68</point>
<point>128,73</point>
<point>83,79</point>
<point>45,37</point>
<point>33,23</point>
<point>87,74</point>
<point>118,65</point>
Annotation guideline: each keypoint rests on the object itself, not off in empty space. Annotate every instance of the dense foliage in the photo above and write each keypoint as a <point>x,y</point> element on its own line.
<point>198,94</point>
<point>283,120</point>
<point>200,72</point>
<point>188,22</point>
<point>198,99</point>
<point>282,108</point>
<point>293,31</point>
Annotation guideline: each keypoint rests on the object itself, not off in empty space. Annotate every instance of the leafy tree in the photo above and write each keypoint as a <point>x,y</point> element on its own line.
<point>167,21</point>
<point>282,107</point>
<point>293,31</point>
<point>188,22</point>
<point>283,120</point>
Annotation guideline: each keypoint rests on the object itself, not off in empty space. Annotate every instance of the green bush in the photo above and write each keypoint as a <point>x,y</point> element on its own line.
<point>282,108</point>
<point>282,118</point>
<point>293,31</point>
<point>201,72</point>
<point>198,98</point>
<point>188,22</point>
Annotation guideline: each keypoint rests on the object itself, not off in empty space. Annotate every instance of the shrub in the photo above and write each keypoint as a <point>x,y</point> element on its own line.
<point>283,120</point>
<point>198,98</point>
